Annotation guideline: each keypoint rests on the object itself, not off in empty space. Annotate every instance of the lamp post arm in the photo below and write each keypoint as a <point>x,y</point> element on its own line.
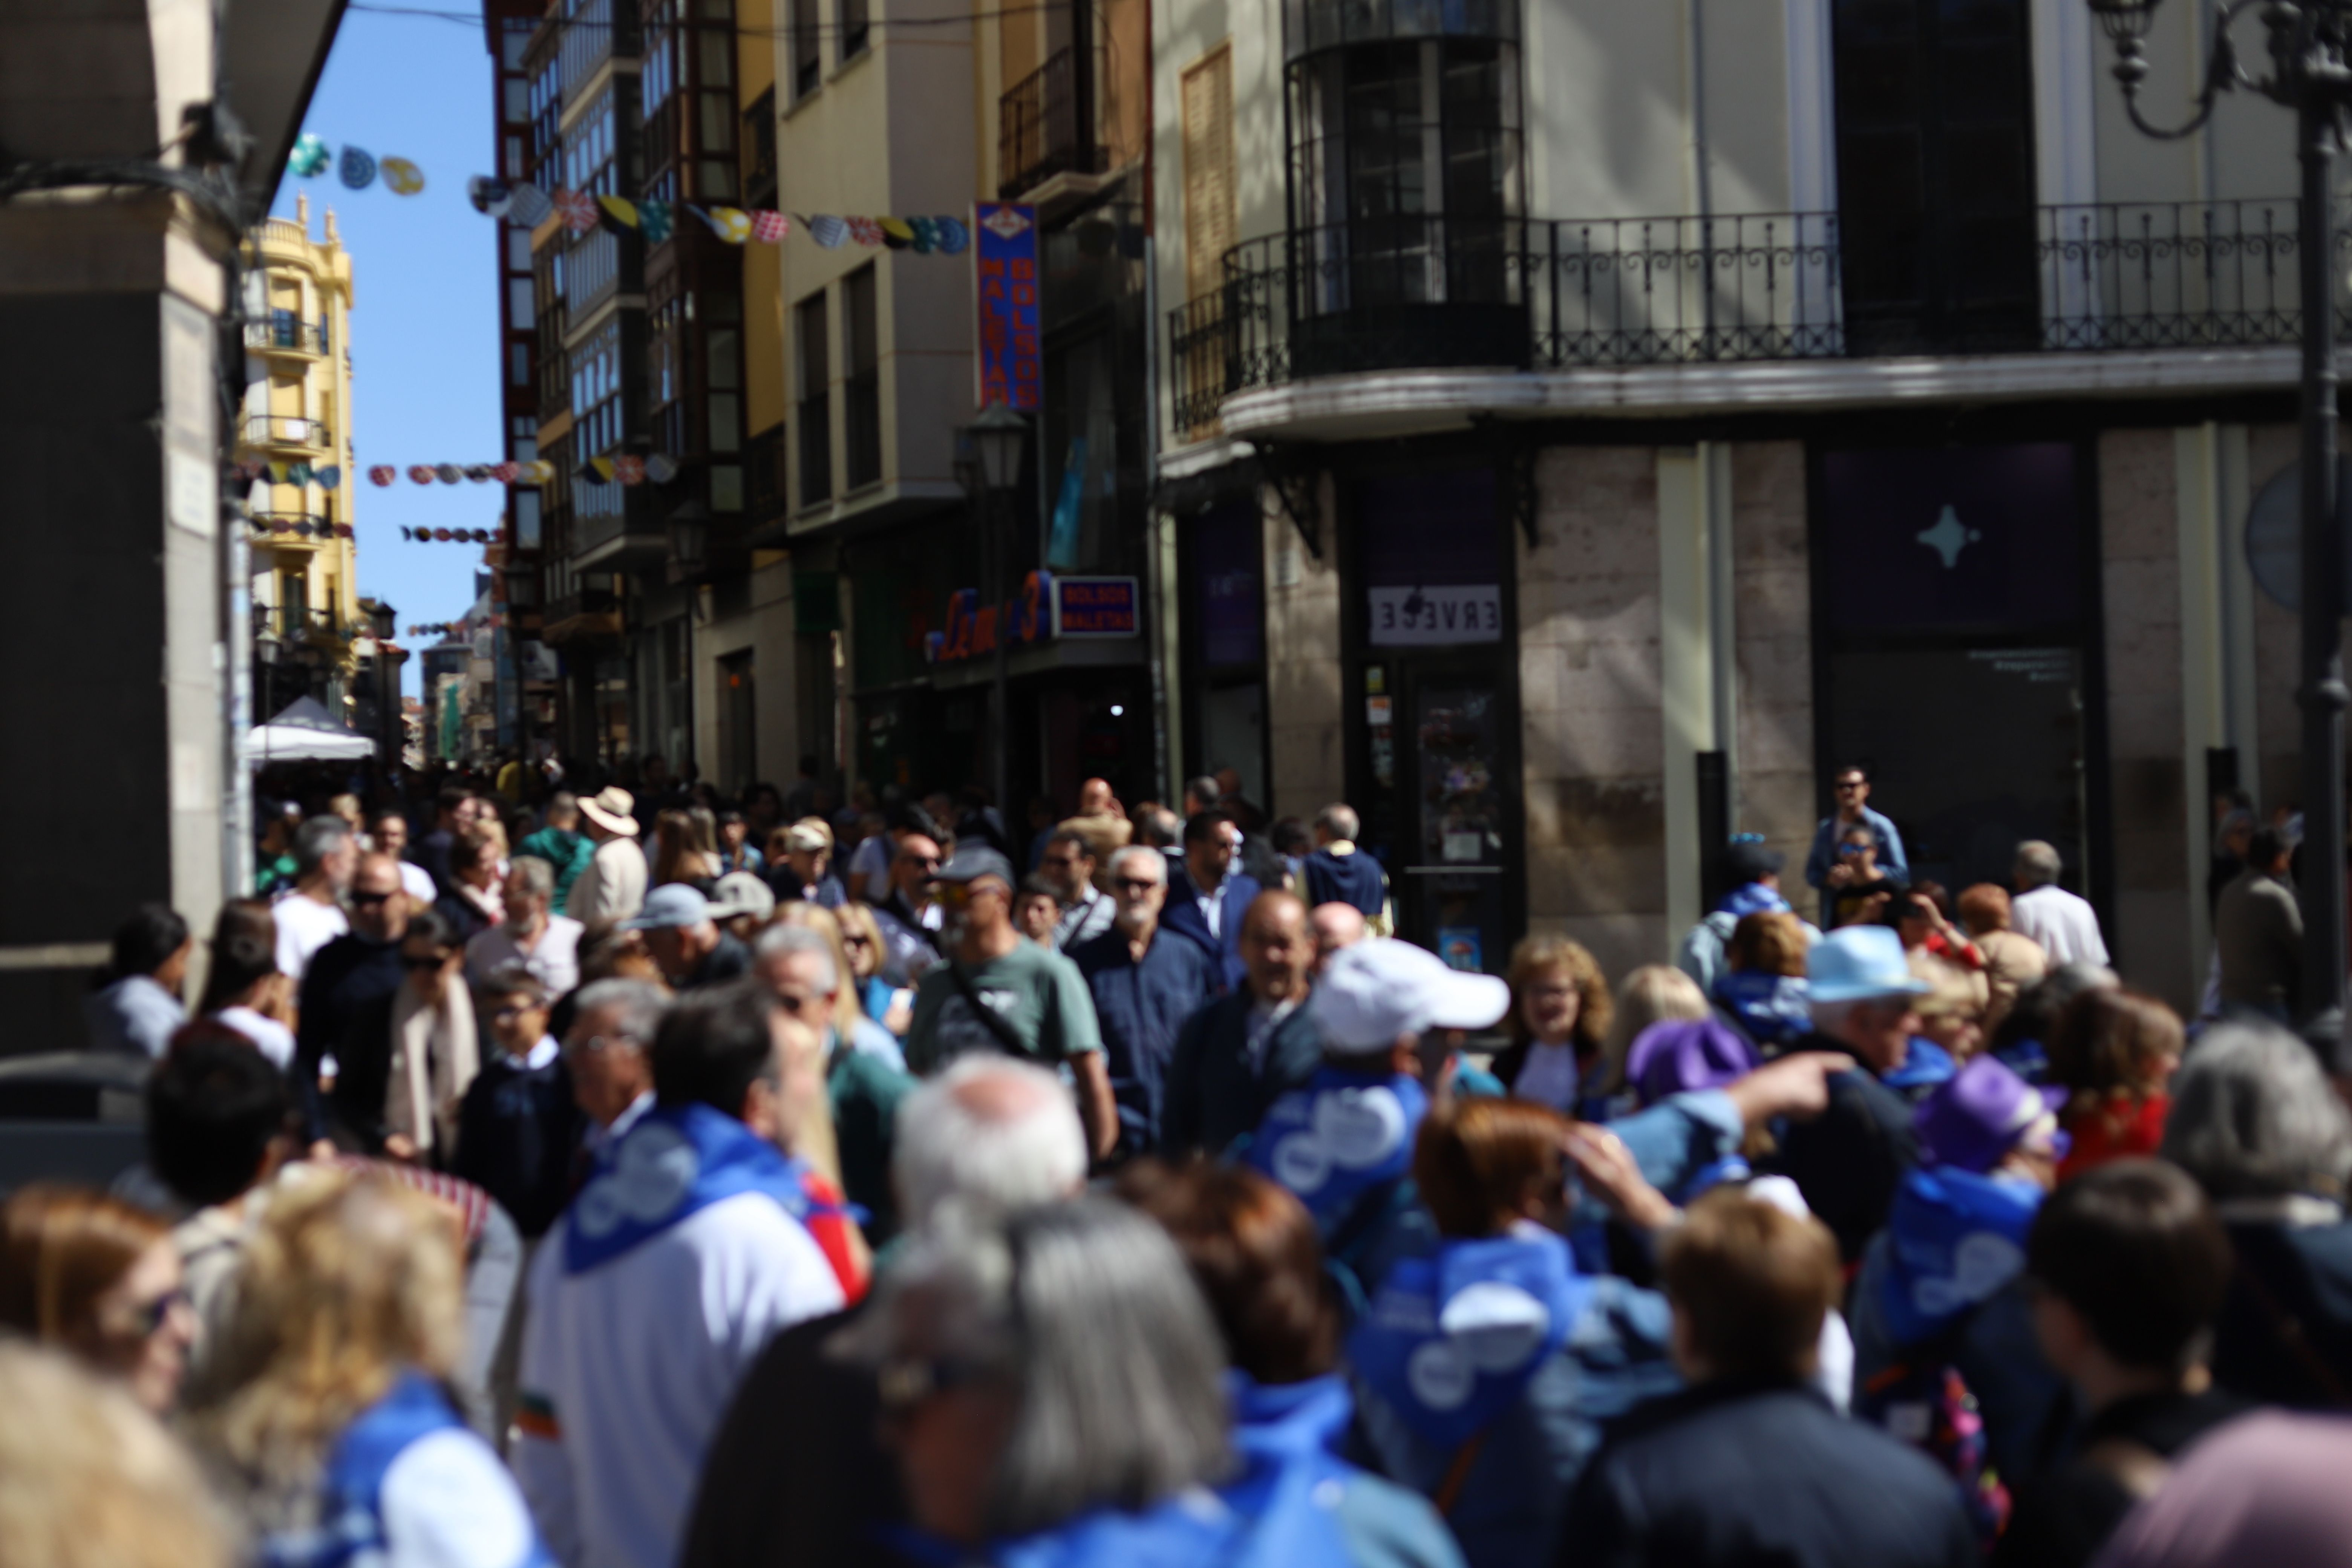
<point>2223,74</point>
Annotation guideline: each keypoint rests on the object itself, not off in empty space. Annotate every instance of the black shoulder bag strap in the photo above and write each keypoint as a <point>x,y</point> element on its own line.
<point>988,1018</point>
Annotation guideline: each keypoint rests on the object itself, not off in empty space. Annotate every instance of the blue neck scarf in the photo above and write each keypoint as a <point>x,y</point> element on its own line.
<point>1340,1136</point>
<point>350,1513</point>
<point>1452,1341</point>
<point>1770,1008</point>
<point>1954,1239</point>
<point>675,1162</point>
<point>1753,898</point>
<point>1925,1065</point>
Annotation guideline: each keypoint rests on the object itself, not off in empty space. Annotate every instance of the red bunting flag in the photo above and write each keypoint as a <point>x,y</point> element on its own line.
<point>382,474</point>
<point>629,470</point>
<point>769,228</point>
<point>420,473</point>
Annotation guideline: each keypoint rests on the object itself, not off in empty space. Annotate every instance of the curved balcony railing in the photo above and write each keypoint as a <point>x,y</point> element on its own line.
<point>284,430</point>
<point>1559,294</point>
<point>283,332</point>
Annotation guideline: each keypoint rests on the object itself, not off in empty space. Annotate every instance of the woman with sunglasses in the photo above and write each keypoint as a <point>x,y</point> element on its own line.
<point>97,1278</point>
<point>861,943</point>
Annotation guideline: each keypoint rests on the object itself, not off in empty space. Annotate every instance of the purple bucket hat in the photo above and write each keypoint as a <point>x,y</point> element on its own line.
<point>1977,1115</point>
<point>1678,1055</point>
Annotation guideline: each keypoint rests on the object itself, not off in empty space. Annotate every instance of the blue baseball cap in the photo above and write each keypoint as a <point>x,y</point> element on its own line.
<point>1855,962</point>
<point>669,907</point>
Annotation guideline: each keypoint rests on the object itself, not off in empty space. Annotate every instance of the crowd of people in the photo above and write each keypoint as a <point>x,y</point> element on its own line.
<point>642,1179</point>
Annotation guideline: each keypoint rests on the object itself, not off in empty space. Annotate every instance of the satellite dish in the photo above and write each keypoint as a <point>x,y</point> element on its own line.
<point>2274,535</point>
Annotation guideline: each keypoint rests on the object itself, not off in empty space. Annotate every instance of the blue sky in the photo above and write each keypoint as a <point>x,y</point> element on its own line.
<point>425,333</point>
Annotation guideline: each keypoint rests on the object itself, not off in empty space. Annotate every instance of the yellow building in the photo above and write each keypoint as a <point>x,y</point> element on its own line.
<point>297,418</point>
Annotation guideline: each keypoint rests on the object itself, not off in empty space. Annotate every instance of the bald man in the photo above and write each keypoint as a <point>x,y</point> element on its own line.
<point>1236,1056</point>
<point>1103,822</point>
<point>1335,926</point>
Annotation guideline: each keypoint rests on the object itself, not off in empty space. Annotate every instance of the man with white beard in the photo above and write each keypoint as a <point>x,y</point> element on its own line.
<point>1145,983</point>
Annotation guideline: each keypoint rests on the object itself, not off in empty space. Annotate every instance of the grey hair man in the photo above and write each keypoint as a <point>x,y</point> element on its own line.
<point>2256,1121</point>
<point>1090,1373</point>
<point>1146,980</point>
<point>1848,1163</point>
<point>2065,924</point>
<point>613,1026</point>
<point>989,1134</point>
<point>532,935</point>
<point>310,914</point>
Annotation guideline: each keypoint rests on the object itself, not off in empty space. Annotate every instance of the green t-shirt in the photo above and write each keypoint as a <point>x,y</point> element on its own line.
<point>1040,996</point>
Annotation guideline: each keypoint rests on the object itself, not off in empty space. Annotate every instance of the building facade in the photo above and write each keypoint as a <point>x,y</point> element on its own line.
<point>1582,429</point>
<point>295,430</point>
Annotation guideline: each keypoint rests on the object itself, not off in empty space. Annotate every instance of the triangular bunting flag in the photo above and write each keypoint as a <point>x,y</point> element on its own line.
<point>620,210</point>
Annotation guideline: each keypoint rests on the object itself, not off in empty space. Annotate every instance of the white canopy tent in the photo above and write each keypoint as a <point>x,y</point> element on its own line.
<point>304,732</point>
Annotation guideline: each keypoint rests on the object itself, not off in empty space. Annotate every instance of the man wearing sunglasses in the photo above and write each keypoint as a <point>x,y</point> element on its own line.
<point>1145,983</point>
<point>912,918</point>
<point>353,974</point>
<point>1823,868</point>
<point>997,992</point>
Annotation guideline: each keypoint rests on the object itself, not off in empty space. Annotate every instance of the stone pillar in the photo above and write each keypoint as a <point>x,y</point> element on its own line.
<point>1309,768</point>
<point>1772,589</point>
<point>1589,688</point>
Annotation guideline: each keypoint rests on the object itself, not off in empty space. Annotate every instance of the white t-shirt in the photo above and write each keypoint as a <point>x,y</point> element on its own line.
<point>304,926</point>
<point>636,1360</point>
<point>554,963</point>
<point>448,1503</point>
<point>417,882</point>
<point>2066,926</point>
<point>271,1037</point>
<point>1548,1077</point>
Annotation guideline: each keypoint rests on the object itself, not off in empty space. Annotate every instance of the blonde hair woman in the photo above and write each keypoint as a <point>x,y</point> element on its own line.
<point>331,1426</point>
<point>861,938</point>
<point>1650,995</point>
<point>89,1480</point>
<point>1558,1022</point>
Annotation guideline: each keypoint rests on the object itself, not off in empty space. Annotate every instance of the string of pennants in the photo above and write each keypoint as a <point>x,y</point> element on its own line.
<point>357,167</point>
<point>454,535</point>
<point>326,475</point>
<point>524,202</point>
<point>437,629</point>
<point>658,467</point>
<point>520,202</point>
<point>266,525</point>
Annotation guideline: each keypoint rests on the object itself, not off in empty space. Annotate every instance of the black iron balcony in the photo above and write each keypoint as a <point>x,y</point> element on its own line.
<point>1417,292</point>
<point>283,331</point>
<point>1045,126</point>
<point>284,430</point>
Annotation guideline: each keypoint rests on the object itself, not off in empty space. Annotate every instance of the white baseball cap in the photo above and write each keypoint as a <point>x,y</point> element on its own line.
<point>1378,990</point>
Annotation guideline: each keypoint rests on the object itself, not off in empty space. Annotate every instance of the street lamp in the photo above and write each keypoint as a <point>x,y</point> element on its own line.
<point>689,542</point>
<point>997,438</point>
<point>2308,74</point>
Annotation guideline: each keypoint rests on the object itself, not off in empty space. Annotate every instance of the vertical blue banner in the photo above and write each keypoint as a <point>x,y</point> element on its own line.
<point>1012,369</point>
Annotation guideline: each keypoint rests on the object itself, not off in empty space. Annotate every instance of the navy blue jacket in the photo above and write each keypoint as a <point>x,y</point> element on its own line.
<point>1141,1008</point>
<point>1182,914</point>
<point>1213,1096</point>
<point>1849,1161</point>
<point>1354,878</point>
<point>518,1132</point>
<point>1739,1473</point>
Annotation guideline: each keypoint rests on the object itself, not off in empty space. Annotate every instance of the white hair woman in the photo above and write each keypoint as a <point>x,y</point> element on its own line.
<point>332,1427</point>
<point>1051,1382</point>
<point>2255,1121</point>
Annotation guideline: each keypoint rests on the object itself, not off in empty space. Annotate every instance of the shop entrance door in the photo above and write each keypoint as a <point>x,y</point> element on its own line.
<point>1444,746</point>
<point>1976,749</point>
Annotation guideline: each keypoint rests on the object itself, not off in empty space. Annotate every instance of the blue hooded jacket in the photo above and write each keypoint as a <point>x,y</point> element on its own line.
<point>1499,1342</point>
